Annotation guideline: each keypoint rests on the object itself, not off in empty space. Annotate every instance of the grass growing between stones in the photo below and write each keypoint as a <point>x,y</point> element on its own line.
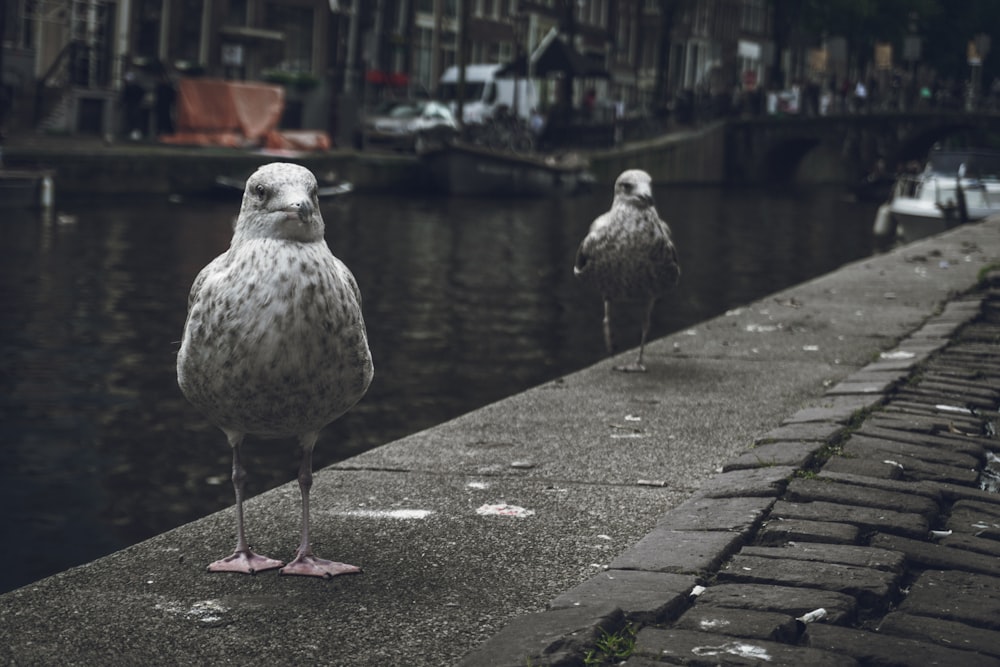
<point>611,647</point>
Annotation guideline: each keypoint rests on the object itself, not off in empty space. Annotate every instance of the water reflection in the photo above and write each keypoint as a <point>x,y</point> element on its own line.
<point>467,301</point>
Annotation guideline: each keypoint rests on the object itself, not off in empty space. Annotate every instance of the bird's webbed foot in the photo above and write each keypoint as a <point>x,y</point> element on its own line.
<point>634,367</point>
<point>245,562</point>
<point>311,566</point>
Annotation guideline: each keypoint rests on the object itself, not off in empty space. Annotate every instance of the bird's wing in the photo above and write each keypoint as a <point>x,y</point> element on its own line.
<point>199,281</point>
<point>350,280</point>
<point>665,254</point>
<point>584,252</point>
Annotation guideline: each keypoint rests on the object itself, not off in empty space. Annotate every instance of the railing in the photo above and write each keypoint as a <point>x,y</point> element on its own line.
<point>57,78</point>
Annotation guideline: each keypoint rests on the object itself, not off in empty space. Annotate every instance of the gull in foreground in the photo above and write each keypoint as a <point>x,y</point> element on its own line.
<point>274,344</point>
<point>628,254</point>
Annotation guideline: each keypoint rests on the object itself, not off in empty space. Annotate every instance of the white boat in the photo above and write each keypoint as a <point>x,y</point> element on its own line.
<point>956,186</point>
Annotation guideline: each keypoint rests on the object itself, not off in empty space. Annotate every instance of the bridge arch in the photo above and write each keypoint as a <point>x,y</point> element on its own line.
<point>841,148</point>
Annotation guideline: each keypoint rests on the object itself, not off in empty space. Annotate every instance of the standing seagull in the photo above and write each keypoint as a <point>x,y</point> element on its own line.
<point>274,344</point>
<point>628,254</point>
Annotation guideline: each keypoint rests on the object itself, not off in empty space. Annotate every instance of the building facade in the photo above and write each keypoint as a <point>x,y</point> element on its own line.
<point>64,62</point>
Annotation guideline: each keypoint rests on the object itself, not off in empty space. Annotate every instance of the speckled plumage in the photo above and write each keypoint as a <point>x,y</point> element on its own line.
<point>275,343</point>
<point>629,253</point>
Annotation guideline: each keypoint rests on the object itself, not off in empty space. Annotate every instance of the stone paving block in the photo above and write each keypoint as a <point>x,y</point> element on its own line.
<point>866,518</point>
<point>946,633</point>
<point>963,309</point>
<point>840,608</point>
<point>646,597</point>
<point>805,432</point>
<point>879,650</point>
<point>901,365</point>
<point>916,469</point>
<point>873,558</point>
<point>972,517</point>
<point>795,454</point>
<point>956,492</point>
<point>895,419</point>
<point>839,409</point>
<point>556,637</point>
<point>956,596</point>
<point>858,444</point>
<point>732,514</point>
<point>926,398</point>
<point>779,531</point>
<point>641,661</point>
<point>864,467</point>
<point>679,551</point>
<point>972,543</point>
<point>759,482</point>
<point>851,387</point>
<point>938,328</point>
<point>961,390</point>
<point>952,443</point>
<point>937,420</point>
<point>869,375</point>
<point>689,647</point>
<point>927,554</point>
<point>867,382</point>
<point>741,623</point>
<point>926,489</point>
<point>831,491</point>
<point>873,589</point>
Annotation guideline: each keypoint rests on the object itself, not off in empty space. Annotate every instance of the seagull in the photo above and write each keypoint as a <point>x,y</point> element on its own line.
<point>274,343</point>
<point>628,254</point>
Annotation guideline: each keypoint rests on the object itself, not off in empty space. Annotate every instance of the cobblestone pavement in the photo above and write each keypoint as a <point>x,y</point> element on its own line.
<point>865,531</point>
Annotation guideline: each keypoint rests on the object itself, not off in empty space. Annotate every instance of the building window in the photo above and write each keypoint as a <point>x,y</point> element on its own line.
<point>295,53</point>
<point>752,17</point>
<point>424,58</point>
<point>147,33</point>
<point>236,13</point>
<point>189,32</point>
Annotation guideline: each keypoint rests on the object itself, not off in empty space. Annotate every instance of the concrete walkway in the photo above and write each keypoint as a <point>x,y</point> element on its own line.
<point>516,534</point>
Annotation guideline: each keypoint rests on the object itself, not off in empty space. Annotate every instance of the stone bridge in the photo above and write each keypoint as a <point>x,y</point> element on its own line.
<point>841,148</point>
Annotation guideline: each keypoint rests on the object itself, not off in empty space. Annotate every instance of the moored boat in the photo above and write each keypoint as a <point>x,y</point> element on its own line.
<point>463,169</point>
<point>955,186</point>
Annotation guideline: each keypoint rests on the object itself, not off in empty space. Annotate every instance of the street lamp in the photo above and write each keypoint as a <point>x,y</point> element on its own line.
<point>520,32</point>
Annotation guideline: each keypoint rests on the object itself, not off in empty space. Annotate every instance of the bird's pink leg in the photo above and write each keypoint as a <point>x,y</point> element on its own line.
<point>243,560</point>
<point>609,342</point>
<point>638,367</point>
<point>305,563</point>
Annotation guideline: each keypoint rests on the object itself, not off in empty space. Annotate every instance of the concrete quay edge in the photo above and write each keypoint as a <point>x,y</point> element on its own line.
<point>770,574</point>
<point>489,539</point>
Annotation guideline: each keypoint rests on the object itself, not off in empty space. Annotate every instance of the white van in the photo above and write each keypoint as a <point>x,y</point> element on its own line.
<point>484,92</point>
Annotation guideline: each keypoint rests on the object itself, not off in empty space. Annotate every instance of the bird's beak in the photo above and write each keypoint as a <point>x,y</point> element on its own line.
<point>304,209</point>
<point>646,199</point>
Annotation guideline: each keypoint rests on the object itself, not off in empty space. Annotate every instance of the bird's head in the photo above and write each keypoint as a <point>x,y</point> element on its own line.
<point>634,188</point>
<point>281,202</point>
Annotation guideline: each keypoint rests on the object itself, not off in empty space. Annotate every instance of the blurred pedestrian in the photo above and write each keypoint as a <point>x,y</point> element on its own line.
<point>166,95</point>
<point>131,100</point>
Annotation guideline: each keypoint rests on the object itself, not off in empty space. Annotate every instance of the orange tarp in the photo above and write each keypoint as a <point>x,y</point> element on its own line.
<point>303,140</point>
<point>236,114</point>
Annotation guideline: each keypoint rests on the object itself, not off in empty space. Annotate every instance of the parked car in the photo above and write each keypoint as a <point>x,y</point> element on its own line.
<point>409,125</point>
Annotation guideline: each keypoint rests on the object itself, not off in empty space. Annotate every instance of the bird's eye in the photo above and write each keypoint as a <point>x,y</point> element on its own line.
<point>627,187</point>
<point>261,191</point>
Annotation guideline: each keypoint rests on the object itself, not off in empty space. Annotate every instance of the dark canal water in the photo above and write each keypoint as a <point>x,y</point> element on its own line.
<point>467,301</point>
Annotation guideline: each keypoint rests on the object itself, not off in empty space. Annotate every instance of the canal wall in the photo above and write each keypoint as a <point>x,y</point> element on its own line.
<point>696,157</point>
<point>84,169</point>
<point>465,526</point>
<point>89,168</point>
